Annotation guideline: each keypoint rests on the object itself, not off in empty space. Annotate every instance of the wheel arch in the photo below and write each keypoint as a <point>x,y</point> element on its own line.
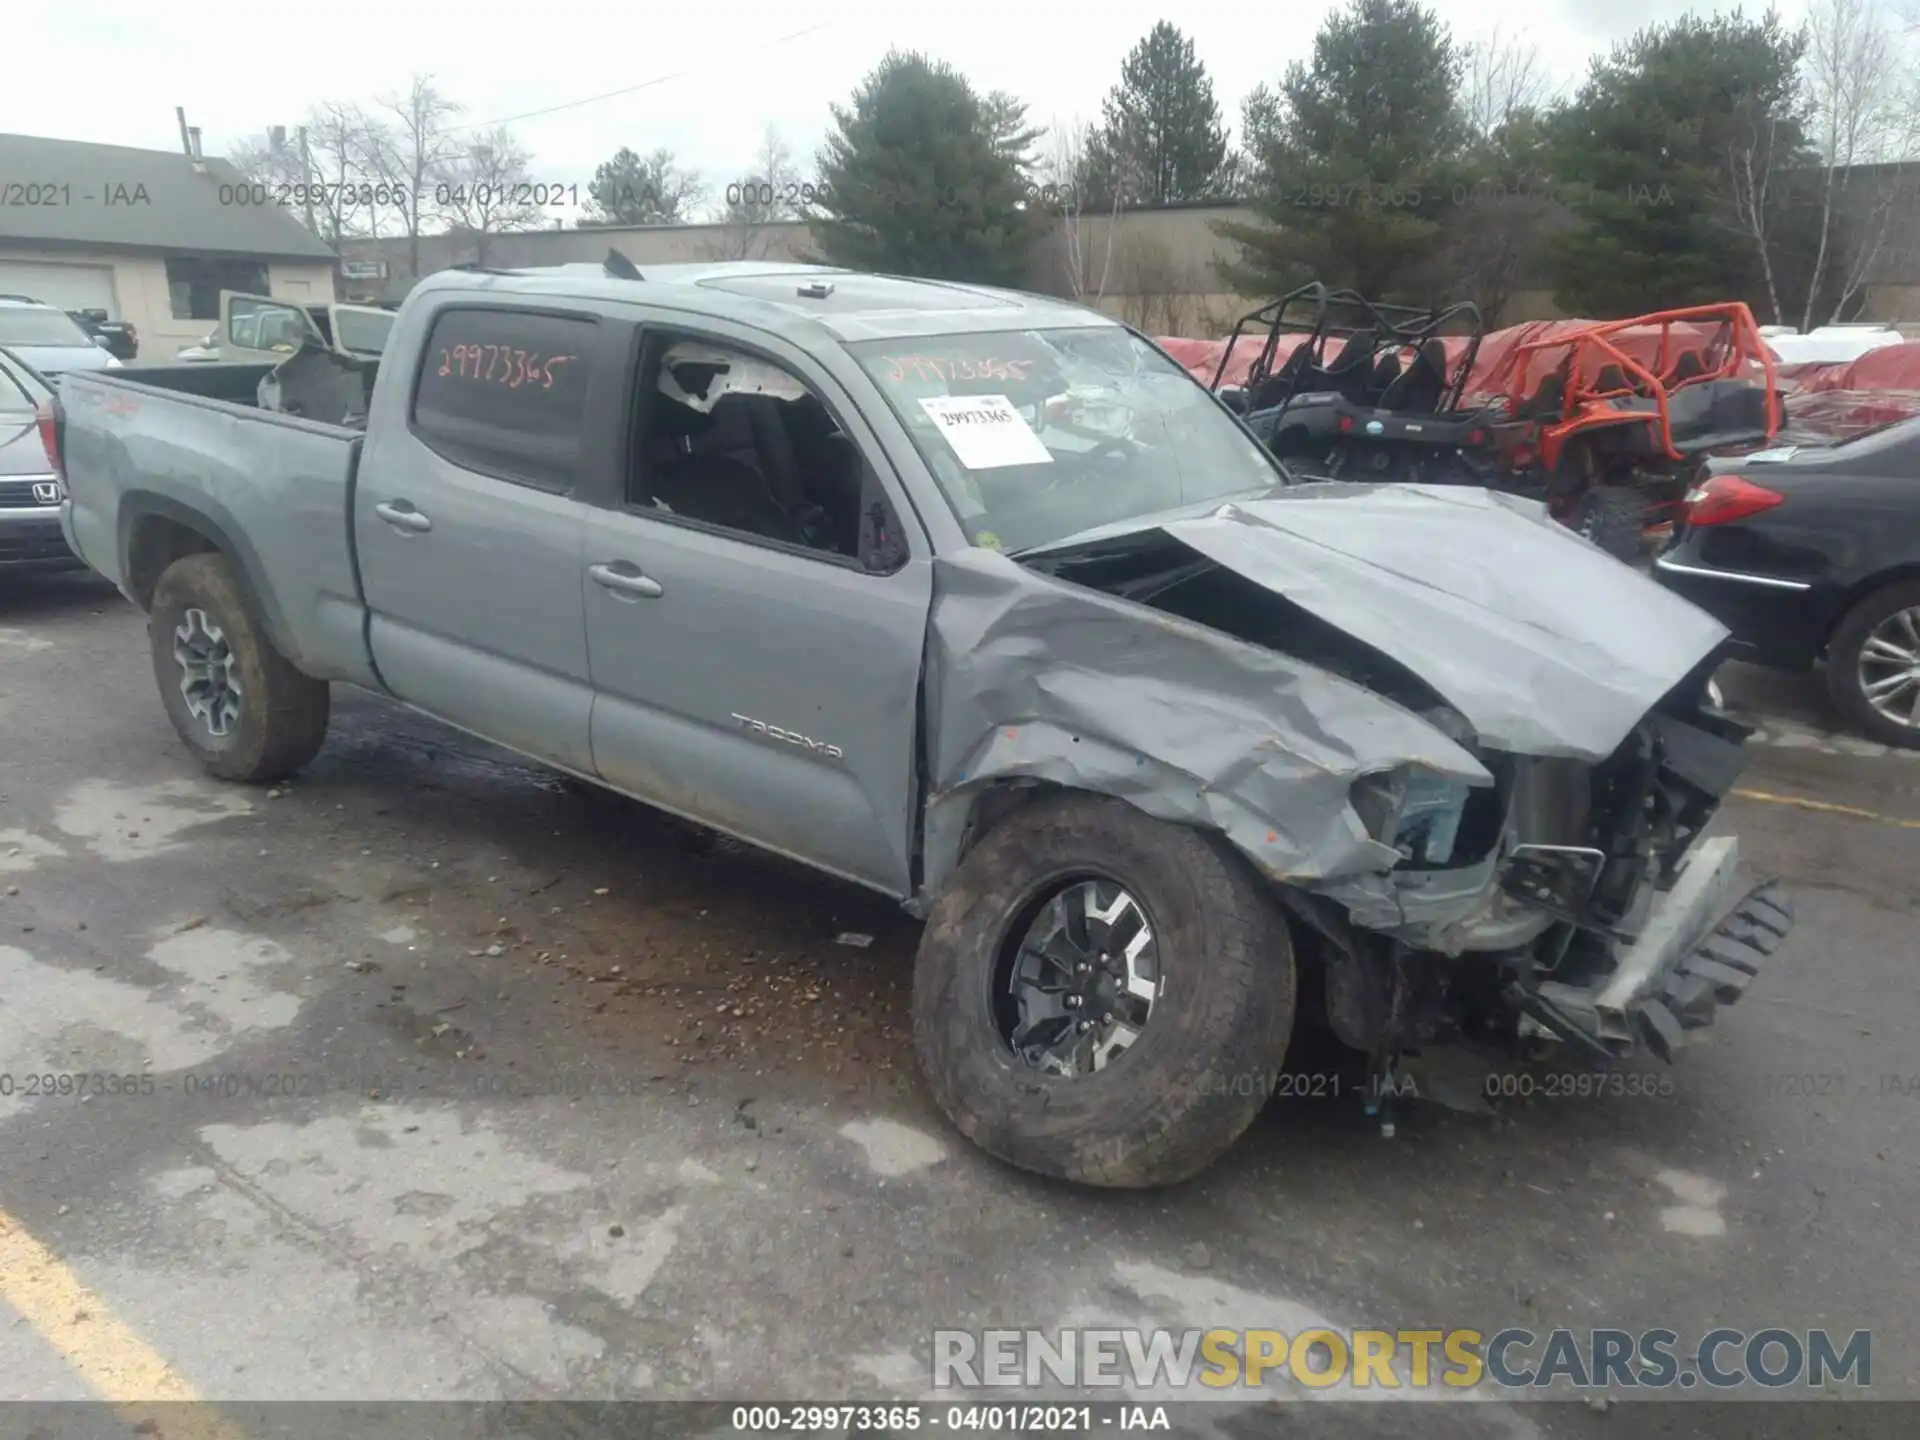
<point>1906,572</point>
<point>156,530</point>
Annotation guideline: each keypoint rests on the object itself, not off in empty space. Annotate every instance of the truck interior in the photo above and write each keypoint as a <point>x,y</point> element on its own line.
<point>728,438</point>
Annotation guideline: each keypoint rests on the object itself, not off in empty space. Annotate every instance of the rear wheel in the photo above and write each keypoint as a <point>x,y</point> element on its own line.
<point>1873,665</point>
<point>242,709</point>
<point>1614,518</point>
<point>1101,996</point>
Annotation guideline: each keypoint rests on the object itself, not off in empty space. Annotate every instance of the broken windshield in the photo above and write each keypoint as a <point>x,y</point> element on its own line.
<point>1035,435</point>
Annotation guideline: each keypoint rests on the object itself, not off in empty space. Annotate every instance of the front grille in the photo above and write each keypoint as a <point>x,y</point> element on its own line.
<point>18,494</point>
<point>23,543</point>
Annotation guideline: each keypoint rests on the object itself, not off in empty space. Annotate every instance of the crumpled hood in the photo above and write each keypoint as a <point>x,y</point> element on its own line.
<point>1545,644</point>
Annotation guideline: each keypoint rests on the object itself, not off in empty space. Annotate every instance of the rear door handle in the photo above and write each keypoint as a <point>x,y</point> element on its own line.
<point>403,515</point>
<point>626,582</point>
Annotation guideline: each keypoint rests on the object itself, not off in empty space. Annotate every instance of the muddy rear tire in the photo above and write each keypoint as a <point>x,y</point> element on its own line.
<point>236,702</point>
<point>1614,518</point>
<point>1206,1055</point>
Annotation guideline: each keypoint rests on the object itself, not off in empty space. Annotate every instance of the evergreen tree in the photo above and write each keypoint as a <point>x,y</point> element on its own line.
<point>1356,158</point>
<point>1162,138</point>
<point>1679,157</point>
<point>921,178</point>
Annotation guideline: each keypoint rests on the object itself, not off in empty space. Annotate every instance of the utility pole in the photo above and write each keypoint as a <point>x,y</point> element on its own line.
<point>306,178</point>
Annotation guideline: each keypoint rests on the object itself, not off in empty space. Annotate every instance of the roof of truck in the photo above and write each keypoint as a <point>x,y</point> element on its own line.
<point>798,301</point>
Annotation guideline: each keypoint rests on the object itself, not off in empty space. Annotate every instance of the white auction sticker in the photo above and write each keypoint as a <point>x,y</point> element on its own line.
<point>986,432</point>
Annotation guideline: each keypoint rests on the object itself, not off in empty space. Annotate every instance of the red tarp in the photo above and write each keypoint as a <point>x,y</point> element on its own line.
<point>1817,417</point>
<point>1891,367</point>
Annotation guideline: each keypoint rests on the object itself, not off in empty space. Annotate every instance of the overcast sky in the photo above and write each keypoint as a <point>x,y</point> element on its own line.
<point>720,72</point>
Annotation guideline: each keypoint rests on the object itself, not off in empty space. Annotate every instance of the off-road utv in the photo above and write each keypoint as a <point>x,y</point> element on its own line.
<point>1609,424</point>
<point>1350,388</point>
<point>1606,424</point>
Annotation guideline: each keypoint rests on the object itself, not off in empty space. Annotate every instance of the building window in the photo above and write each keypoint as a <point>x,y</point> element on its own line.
<point>194,284</point>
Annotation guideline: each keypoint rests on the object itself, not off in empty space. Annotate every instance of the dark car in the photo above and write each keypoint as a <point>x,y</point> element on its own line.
<point>30,488</point>
<point>1812,553</point>
<point>121,339</point>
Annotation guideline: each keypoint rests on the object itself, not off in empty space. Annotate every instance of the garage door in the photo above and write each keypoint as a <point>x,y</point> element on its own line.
<point>70,287</point>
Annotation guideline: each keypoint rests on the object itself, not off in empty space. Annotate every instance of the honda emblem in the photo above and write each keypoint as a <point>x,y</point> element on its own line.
<point>46,492</point>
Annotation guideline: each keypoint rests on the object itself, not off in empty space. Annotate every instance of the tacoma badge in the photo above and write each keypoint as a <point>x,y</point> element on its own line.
<point>792,737</point>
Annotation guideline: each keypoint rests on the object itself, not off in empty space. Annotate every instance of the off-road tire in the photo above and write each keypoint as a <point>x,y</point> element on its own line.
<point>283,714</point>
<point>1207,1056</point>
<point>1613,517</point>
<point>1843,664</point>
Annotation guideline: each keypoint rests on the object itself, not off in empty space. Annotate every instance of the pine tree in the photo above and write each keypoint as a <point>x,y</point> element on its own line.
<point>921,178</point>
<point>1356,157</point>
<point>1681,145</point>
<point>1162,138</point>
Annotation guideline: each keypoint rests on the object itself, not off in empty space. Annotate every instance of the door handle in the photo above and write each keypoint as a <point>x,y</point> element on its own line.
<point>404,516</point>
<point>625,582</point>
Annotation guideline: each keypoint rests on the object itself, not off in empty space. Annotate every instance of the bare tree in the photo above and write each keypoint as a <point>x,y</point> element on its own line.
<point>1750,170</point>
<point>320,162</point>
<point>1151,295</point>
<point>1502,79</point>
<point>770,194</point>
<point>486,191</point>
<point>409,151</point>
<point>334,141</point>
<point>268,158</point>
<point>1086,248</point>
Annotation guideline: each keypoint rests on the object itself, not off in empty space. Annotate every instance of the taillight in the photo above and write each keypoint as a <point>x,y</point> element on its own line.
<point>1345,424</point>
<point>49,425</point>
<point>1721,498</point>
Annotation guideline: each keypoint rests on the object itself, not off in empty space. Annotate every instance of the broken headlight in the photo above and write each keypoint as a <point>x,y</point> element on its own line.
<point>1413,809</point>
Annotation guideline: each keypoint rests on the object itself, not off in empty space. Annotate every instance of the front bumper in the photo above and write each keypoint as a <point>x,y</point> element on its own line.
<point>1701,947</point>
<point>32,539</point>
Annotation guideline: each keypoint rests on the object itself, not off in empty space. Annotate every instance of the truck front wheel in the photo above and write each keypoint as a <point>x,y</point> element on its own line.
<point>242,709</point>
<point>1101,996</point>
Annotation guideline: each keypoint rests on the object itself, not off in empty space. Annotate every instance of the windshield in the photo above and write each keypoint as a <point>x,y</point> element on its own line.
<point>21,326</point>
<point>1036,435</point>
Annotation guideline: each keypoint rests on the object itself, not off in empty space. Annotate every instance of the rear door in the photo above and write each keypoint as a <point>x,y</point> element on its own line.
<point>751,680</point>
<point>467,521</point>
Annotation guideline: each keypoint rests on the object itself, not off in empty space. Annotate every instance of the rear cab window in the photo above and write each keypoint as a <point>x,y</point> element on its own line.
<point>504,392</point>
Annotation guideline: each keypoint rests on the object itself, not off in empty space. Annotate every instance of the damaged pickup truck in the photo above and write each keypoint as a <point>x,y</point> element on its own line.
<point>978,600</point>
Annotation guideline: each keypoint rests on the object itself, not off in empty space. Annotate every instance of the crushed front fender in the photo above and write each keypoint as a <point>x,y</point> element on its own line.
<point>1034,679</point>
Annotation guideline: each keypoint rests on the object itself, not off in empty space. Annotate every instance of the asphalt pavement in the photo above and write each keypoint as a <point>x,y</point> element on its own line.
<point>433,1077</point>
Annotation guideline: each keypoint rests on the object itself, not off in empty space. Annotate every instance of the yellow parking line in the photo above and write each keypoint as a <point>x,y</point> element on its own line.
<point>117,1365</point>
<point>1827,808</point>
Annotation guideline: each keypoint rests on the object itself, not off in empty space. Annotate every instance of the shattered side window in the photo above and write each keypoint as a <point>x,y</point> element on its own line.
<point>1035,435</point>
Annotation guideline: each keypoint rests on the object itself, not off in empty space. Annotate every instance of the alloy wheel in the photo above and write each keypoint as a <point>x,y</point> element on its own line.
<point>1078,984</point>
<point>1889,668</point>
<point>207,677</point>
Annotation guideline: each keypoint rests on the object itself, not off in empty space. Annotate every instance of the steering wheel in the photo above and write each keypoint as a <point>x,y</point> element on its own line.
<point>1118,446</point>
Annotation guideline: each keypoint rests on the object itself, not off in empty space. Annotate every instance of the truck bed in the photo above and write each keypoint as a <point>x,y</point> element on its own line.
<point>151,449</point>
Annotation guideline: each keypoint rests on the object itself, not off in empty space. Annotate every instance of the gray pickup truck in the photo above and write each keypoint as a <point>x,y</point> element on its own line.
<point>977,599</point>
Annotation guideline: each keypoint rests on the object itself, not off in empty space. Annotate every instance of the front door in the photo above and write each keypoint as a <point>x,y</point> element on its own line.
<point>468,531</point>
<point>258,327</point>
<point>755,627</point>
